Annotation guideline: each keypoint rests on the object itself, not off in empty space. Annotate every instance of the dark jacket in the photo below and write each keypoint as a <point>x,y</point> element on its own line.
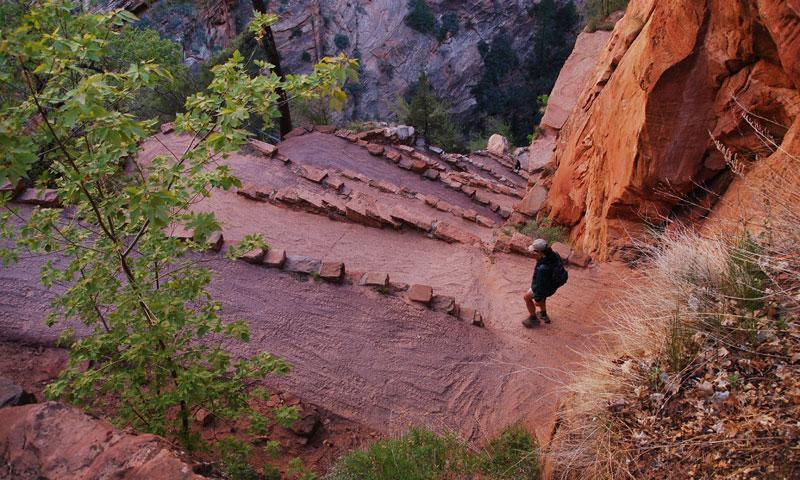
<point>542,284</point>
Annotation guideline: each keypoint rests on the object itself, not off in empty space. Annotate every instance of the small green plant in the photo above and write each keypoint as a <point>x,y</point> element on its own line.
<point>233,456</point>
<point>679,345</point>
<point>745,280</point>
<point>545,229</point>
<point>423,455</point>
<point>514,455</point>
<point>418,455</point>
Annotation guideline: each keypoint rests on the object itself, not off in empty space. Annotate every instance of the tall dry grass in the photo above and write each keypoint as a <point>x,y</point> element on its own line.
<point>708,282</point>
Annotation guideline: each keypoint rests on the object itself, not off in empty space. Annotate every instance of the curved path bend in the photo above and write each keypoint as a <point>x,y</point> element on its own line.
<point>376,359</point>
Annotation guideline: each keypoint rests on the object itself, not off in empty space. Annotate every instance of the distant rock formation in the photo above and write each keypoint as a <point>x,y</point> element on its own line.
<point>638,141</point>
<point>392,54</point>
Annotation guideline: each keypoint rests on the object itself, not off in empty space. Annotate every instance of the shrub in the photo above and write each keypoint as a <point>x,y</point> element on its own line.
<point>545,229</point>
<point>514,455</point>
<point>598,10</point>
<point>420,17</point>
<point>341,41</point>
<point>448,26</point>
<point>422,455</point>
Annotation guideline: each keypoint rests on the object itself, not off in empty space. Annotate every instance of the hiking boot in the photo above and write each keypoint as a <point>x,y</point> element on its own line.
<point>543,317</point>
<point>530,322</point>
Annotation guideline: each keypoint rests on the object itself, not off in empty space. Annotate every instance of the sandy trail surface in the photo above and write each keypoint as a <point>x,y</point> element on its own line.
<point>372,358</point>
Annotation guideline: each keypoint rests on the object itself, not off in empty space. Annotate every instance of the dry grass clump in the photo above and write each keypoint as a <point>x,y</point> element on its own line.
<point>703,377</point>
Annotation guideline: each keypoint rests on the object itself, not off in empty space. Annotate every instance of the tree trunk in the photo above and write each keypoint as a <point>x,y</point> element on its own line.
<point>274,57</point>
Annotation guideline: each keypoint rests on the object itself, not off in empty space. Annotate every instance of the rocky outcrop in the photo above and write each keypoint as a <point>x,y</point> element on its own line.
<point>573,76</point>
<point>673,72</point>
<point>52,440</point>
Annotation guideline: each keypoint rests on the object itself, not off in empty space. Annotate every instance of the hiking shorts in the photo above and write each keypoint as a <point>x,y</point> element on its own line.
<point>538,298</point>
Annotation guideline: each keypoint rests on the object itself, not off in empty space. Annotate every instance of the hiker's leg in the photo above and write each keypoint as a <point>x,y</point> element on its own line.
<point>542,304</point>
<point>528,297</point>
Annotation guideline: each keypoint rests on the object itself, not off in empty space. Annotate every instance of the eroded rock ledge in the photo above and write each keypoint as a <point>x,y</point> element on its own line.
<point>52,440</point>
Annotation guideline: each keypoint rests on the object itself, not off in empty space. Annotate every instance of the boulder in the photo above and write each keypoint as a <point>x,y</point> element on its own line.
<point>413,219</point>
<point>52,440</point>
<point>431,174</point>
<point>335,183</point>
<point>180,232</point>
<point>430,200</point>
<point>255,256</point>
<point>418,166</point>
<point>484,221</point>
<point>167,128</point>
<point>375,149</point>
<point>469,191</point>
<point>266,148</point>
<point>45,198</point>
<point>533,201</point>
<point>373,279</point>
<point>579,259</point>
<point>310,199</point>
<point>520,243</point>
<point>498,145</point>
<point>392,155</point>
<point>215,241</point>
<point>287,195</point>
<point>204,418</point>
<point>420,294</point>
<point>467,314</point>
<point>13,189</point>
<point>563,250</point>
<point>12,395</point>
<point>469,214</point>
<point>296,132</point>
<point>255,192</point>
<point>450,234</point>
<point>406,164</point>
<point>436,150</point>
<point>332,271</point>
<point>358,212</point>
<point>307,423</point>
<point>444,304</point>
<point>302,264</point>
<point>275,258</point>
<point>443,206</point>
<point>327,129</point>
<point>316,175</point>
<point>388,187</point>
<point>405,148</point>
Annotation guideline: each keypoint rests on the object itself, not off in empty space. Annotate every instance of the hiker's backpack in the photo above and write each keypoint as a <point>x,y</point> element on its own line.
<point>560,274</point>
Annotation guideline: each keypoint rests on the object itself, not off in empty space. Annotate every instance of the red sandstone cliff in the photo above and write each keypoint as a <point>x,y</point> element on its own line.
<point>638,140</point>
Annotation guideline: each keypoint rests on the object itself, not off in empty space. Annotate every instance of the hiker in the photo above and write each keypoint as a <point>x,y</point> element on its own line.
<point>548,276</point>
<point>517,165</point>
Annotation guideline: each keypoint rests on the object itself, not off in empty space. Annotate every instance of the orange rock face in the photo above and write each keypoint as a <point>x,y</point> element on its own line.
<point>673,74</point>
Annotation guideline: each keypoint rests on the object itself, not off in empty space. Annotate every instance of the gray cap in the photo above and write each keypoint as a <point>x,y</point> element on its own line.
<point>539,245</point>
